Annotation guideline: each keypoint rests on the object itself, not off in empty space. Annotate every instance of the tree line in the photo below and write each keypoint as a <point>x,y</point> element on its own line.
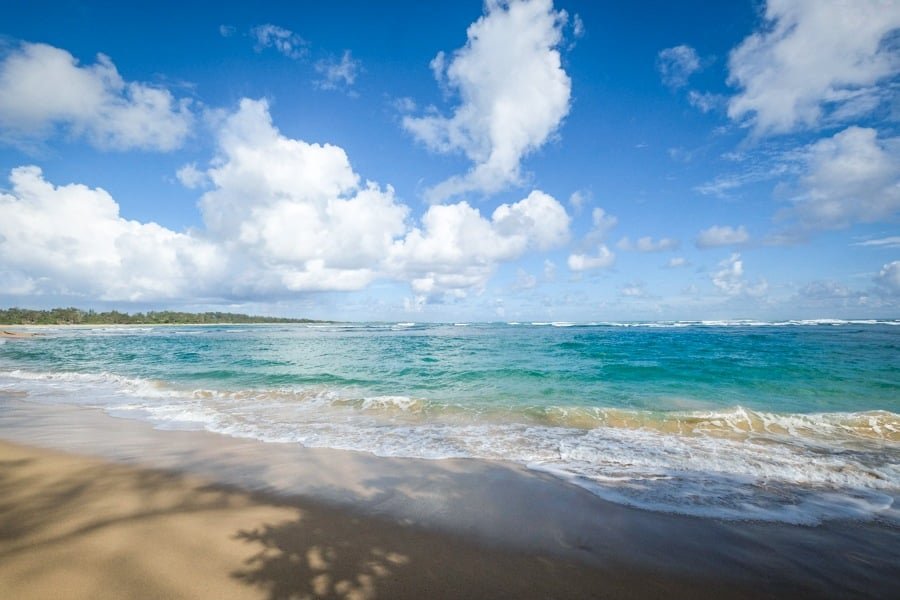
<point>76,316</point>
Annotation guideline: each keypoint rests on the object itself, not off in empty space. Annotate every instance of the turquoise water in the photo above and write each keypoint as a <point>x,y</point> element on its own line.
<point>794,421</point>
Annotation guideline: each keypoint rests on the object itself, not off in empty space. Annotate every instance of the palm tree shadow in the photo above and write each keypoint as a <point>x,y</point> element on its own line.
<point>323,554</point>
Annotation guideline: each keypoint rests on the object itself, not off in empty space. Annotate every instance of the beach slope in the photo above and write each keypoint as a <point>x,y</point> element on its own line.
<point>77,527</point>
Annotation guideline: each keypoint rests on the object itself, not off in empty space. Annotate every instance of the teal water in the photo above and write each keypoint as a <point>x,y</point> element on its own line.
<point>794,421</point>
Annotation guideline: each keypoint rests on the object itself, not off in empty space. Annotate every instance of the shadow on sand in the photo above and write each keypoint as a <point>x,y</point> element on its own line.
<point>171,530</point>
<point>57,506</point>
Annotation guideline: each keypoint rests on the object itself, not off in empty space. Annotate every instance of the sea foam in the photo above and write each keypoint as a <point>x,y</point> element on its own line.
<point>732,464</point>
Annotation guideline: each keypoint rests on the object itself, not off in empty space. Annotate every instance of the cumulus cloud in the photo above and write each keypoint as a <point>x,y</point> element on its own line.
<point>647,244</point>
<point>337,74</point>
<point>44,90</point>
<point>71,240</point>
<point>677,262</point>
<point>313,222</point>
<point>729,279</point>
<point>513,95</point>
<point>677,64</point>
<point>456,248</point>
<point>852,177</point>
<point>602,259</point>
<point>296,207</point>
<point>281,216</point>
<point>283,40</point>
<point>722,235</point>
<point>813,60</point>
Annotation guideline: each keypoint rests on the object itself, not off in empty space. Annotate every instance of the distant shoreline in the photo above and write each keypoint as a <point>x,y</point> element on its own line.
<point>185,324</point>
<point>77,316</point>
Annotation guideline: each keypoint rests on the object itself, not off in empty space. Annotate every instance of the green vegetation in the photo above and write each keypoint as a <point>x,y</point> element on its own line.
<point>75,316</point>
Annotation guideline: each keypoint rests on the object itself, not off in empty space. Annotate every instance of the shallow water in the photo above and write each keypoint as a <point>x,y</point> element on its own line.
<point>792,421</point>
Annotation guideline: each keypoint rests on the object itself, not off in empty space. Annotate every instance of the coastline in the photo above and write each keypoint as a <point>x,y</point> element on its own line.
<point>496,515</point>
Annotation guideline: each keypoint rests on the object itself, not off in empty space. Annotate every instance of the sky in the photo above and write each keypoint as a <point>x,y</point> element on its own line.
<point>529,160</point>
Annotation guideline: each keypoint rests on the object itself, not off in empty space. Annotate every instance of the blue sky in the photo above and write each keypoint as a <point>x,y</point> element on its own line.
<point>417,161</point>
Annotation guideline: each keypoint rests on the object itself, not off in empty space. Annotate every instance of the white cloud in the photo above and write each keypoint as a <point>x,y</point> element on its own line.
<point>646,244</point>
<point>43,89</point>
<point>825,290</point>
<point>579,198</point>
<point>723,184</point>
<point>892,241</point>
<point>851,177</point>
<point>634,290</point>
<point>603,222</point>
<point>595,254</point>
<point>337,74</point>
<point>578,29</point>
<point>457,248</point>
<point>677,64</point>
<point>812,60</point>
<point>729,279</point>
<point>227,30</point>
<point>603,259</point>
<point>722,235</point>
<point>191,177</point>
<point>677,262</point>
<point>705,101</point>
<point>312,220</point>
<point>889,277</point>
<point>513,93</point>
<point>281,216</point>
<point>404,104</point>
<point>71,240</point>
<point>283,40</point>
<point>296,207</point>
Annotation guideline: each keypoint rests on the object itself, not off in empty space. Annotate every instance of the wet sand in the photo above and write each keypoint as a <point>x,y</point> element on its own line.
<point>77,527</point>
<point>190,514</point>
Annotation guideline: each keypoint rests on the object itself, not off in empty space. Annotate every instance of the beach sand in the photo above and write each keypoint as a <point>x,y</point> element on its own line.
<point>93,506</point>
<point>77,527</point>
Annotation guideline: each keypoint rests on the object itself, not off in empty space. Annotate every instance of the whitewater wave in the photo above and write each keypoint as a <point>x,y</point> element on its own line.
<point>732,463</point>
<point>747,323</point>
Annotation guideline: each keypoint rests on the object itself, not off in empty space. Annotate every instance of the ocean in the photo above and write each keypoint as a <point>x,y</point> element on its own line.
<point>794,421</point>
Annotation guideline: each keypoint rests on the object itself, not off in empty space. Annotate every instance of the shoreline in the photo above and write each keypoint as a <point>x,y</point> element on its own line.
<point>500,508</point>
<point>117,325</point>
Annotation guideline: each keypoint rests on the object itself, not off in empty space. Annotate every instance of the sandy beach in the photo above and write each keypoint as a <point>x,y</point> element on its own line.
<point>128,511</point>
<point>78,527</point>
